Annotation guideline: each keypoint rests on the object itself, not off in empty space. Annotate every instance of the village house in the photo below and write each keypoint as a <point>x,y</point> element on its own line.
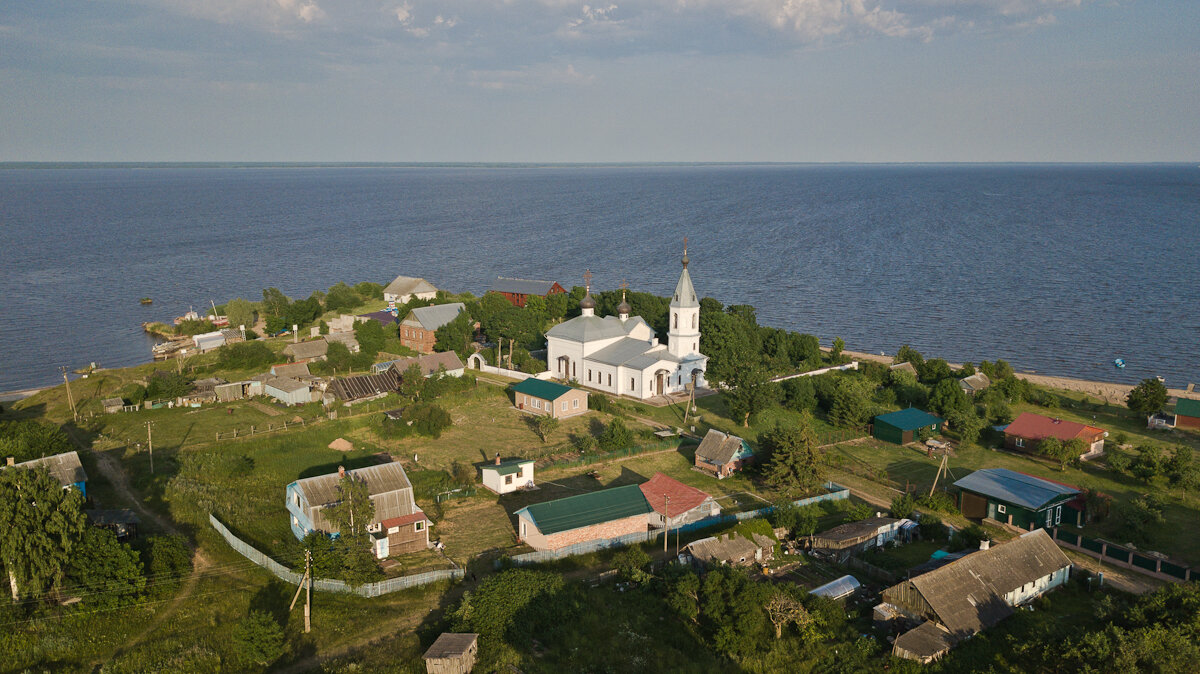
<point>904,367</point>
<point>399,526</point>
<point>722,455</point>
<point>503,477</point>
<point>113,405</point>
<point>418,330</point>
<point>293,370</point>
<point>608,513</point>
<point>519,290</point>
<point>404,289</point>
<point>452,653</point>
<point>732,549</point>
<point>240,389</point>
<point>621,354</point>
<point>971,594</point>
<point>852,538</point>
<point>429,363</point>
<point>1028,429</point>
<point>314,350</point>
<point>208,341</point>
<point>345,338</point>
<point>1187,413</point>
<point>905,426</point>
<point>675,503</point>
<point>541,397</point>
<point>1017,499</point>
<point>974,383</point>
<point>287,391</point>
<point>65,468</point>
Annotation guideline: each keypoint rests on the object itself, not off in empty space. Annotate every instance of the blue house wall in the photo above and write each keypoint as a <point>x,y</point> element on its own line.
<point>297,509</point>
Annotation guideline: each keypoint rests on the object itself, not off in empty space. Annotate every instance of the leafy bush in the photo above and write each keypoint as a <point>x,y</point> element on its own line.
<point>166,384</point>
<point>599,402</point>
<point>257,639</point>
<point>165,557</point>
<point>29,439</point>
<point>615,436</point>
<point>967,539</point>
<point>902,506</point>
<point>421,418</point>
<point>858,511</point>
<point>940,502</point>
<point>245,356</point>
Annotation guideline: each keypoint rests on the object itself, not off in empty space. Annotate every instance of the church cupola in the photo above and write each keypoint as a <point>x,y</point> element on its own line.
<point>588,303</point>
<point>623,308</point>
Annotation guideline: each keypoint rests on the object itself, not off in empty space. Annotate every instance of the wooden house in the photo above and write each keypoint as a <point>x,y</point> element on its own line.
<point>504,477</point>
<point>1028,429</point>
<point>853,538</point>
<point>608,513</point>
<point>975,383</point>
<point>399,524</point>
<point>65,468</point>
<point>541,397</point>
<point>452,653</point>
<point>519,290</point>
<point>1187,413</point>
<point>905,426</point>
<point>113,405</point>
<point>1017,499</point>
<point>404,289</point>
<point>418,330</point>
<point>732,549</point>
<point>676,503</point>
<point>721,454</point>
<point>429,364</point>
<point>314,350</point>
<point>969,595</point>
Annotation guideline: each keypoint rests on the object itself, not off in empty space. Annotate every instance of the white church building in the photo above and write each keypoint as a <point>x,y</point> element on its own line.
<point>621,355</point>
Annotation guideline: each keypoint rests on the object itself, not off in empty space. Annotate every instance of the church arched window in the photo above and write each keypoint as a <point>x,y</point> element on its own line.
<point>676,318</point>
<point>695,317</point>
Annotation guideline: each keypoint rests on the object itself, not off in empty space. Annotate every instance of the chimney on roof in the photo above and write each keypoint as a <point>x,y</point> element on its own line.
<point>497,458</point>
<point>984,544</point>
<point>341,471</point>
<point>12,461</point>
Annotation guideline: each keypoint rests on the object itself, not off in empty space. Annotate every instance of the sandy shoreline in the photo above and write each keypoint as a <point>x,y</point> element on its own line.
<point>1108,391</point>
<point>13,396</point>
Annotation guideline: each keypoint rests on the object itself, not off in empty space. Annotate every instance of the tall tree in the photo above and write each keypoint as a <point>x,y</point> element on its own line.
<point>106,571</point>
<point>275,303</point>
<point>456,335</point>
<point>750,391</point>
<point>848,407</point>
<point>353,510</point>
<point>240,312</point>
<point>948,398</point>
<point>43,524</point>
<point>794,461</point>
<point>782,609</point>
<point>1147,398</point>
<point>835,353</point>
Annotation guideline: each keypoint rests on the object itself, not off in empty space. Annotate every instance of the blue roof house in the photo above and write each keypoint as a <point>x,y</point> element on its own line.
<point>1017,499</point>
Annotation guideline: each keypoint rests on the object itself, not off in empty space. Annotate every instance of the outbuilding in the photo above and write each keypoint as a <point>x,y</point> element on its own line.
<point>905,426</point>
<point>675,503</point>
<point>287,391</point>
<point>852,538</point>
<point>519,290</point>
<point>504,477</point>
<point>1187,413</point>
<point>538,396</point>
<point>314,350</point>
<point>721,454</point>
<point>112,405</point>
<point>1016,499</point>
<point>452,653</point>
<point>65,468</point>
<point>608,513</point>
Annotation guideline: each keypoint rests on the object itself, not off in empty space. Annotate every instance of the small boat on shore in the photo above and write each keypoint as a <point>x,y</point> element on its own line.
<point>1119,362</point>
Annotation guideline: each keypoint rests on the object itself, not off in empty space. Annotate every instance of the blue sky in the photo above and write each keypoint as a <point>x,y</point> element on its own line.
<point>610,81</point>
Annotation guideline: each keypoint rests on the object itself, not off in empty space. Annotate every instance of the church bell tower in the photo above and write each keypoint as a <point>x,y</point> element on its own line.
<point>683,331</point>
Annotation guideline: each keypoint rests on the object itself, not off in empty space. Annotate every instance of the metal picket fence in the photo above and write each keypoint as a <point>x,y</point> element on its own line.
<point>328,585</point>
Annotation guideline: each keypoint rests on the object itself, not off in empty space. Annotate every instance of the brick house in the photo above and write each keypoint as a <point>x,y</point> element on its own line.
<point>418,329</point>
<point>541,397</point>
<point>607,513</point>
<point>1028,429</point>
<point>1187,413</point>
<point>518,290</point>
<point>722,455</point>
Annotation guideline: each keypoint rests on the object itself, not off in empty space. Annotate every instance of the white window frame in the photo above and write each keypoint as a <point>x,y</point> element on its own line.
<point>564,406</point>
<point>1002,509</point>
<point>1020,442</point>
<point>419,526</point>
<point>575,403</point>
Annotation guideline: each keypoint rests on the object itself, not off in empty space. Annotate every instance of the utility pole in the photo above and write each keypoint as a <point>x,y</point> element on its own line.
<point>305,583</point>
<point>70,398</point>
<point>666,522</point>
<point>150,442</point>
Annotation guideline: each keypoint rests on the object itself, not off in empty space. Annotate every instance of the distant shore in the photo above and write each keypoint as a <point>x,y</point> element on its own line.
<point>1107,391</point>
<point>13,396</point>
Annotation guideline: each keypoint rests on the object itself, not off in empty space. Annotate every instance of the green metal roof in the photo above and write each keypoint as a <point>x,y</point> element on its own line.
<point>507,467</point>
<point>1188,407</point>
<point>583,510</point>
<point>908,420</point>
<point>546,390</point>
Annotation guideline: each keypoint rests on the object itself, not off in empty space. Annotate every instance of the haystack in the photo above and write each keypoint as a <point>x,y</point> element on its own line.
<point>341,445</point>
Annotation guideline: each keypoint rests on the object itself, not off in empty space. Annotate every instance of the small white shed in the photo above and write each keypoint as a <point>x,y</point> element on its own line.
<point>503,477</point>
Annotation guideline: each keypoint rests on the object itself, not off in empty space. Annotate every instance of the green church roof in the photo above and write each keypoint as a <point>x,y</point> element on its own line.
<point>909,420</point>
<point>584,510</point>
<point>546,390</point>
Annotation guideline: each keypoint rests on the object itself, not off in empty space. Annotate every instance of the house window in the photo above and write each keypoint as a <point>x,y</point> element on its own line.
<point>589,375</point>
<point>420,526</point>
<point>610,380</point>
<point>1020,442</point>
<point>508,479</point>
<point>296,499</point>
<point>676,319</point>
<point>1001,509</point>
<point>295,522</point>
<point>631,384</point>
<point>1058,514</point>
<point>575,403</point>
<point>694,318</point>
<point>564,406</point>
<point>523,530</point>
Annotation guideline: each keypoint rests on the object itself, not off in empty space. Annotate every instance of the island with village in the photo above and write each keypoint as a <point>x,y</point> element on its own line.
<point>551,478</point>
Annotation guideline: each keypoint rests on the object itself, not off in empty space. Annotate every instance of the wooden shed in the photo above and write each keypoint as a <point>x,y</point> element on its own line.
<point>905,426</point>
<point>452,653</point>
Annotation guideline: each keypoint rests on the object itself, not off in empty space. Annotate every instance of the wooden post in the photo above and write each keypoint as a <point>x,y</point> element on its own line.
<point>308,594</point>
<point>150,441</point>
<point>70,398</point>
<point>666,521</point>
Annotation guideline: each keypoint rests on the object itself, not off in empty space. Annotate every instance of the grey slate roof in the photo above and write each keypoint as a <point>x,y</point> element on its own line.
<point>429,363</point>
<point>285,384</point>
<point>968,595</point>
<point>381,479</point>
<point>451,645</point>
<point>650,358</point>
<point>718,447</point>
<point>976,382</point>
<point>407,285</point>
<point>434,317</point>
<point>63,467</point>
<point>926,640</point>
<point>620,352</point>
<point>1013,487</point>
<point>732,548</point>
<point>904,367</point>
<point>854,531</point>
<point>292,370</point>
<point>522,286</point>
<point>589,328</point>
<point>305,350</point>
<point>346,338</point>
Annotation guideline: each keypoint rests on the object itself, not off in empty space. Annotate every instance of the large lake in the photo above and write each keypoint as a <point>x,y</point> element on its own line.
<point>1058,269</point>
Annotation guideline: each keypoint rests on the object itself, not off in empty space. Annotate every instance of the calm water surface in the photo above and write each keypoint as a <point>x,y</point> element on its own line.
<point>1057,269</point>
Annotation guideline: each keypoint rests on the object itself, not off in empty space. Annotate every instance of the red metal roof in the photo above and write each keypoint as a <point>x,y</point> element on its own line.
<point>1035,427</point>
<point>418,516</point>
<point>683,497</point>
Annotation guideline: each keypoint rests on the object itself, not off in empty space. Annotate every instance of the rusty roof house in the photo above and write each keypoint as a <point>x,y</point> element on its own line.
<point>722,455</point>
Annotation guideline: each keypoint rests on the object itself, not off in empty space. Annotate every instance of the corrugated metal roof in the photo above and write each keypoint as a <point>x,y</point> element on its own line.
<point>584,510</point>
<point>539,388</point>
<point>434,317</point>
<point>683,497</point>
<point>909,420</point>
<point>522,286</point>
<point>302,350</point>
<point>65,467</point>
<point>1036,427</point>
<point>382,479</point>
<point>507,467</point>
<point>1016,488</point>
<point>285,384</point>
<point>621,351</point>
<point>408,285</point>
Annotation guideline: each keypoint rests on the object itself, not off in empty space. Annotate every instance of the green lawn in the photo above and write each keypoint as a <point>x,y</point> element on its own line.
<point>904,556</point>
